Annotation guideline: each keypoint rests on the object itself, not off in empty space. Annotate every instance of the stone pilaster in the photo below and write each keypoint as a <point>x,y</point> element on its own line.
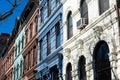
<point>113,63</point>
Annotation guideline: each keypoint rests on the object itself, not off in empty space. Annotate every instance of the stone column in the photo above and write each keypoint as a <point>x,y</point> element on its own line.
<point>113,59</point>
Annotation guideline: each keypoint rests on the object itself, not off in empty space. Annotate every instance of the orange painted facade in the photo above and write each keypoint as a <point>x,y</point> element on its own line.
<point>31,47</point>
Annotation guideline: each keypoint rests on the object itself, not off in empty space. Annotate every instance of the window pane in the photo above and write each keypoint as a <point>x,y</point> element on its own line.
<point>48,43</point>
<point>84,9</point>
<point>58,39</point>
<point>70,26</point>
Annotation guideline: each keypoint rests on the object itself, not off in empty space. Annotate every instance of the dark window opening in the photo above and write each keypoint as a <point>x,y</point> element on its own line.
<point>69,72</point>
<point>22,42</point>
<point>26,36</point>
<point>102,69</point>
<point>103,6</point>
<point>48,43</point>
<point>81,68</point>
<point>36,23</point>
<point>49,7</point>
<point>84,9</point>
<point>69,26</point>
<point>31,28</point>
<point>54,73</point>
<point>41,49</point>
<point>58,39</point>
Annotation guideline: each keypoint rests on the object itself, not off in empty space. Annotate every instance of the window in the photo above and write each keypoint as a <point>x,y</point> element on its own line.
<point>44,13</point>
<point>49,7</point>
<point>15,51</point>
<point>41,49</point>
<point>69,72</point>
<point>35,55</point>
<point>36,23</point>
<point>14,73</point>
<point>81,68</point>
<point>48,43</point>
<point>26,36</point>
<point>101,62</point>
<point>25,65</point>
<point>58,39</point>
<point>21,67</point>
<point>84,9</point>
<point>69,25</point>
<point>53,5</point>
<point>18,46</point>
<point>54,73</point>
<point>41,14</point>
<point>17,71</point>
<point>29,62</point>
<point>32,57</point>
<point>31,30</point>
<point>103,6</point>
<point>22,42</point>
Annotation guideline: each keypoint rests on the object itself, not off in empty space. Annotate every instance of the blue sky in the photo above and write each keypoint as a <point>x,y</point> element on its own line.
<point>7,25</point>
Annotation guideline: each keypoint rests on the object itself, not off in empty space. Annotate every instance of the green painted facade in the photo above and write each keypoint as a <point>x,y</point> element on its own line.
<point>18,58</point>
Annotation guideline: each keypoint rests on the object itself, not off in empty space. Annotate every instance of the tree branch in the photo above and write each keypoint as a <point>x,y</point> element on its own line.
<point>10,12</point>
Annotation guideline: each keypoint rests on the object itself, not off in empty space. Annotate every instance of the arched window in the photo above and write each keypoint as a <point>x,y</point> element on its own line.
<point>102,70</point>
<point>68,72</point>
<point>103,6</point>
<point>69,25</point>
<point>84,9</point>
<point>81,68</point>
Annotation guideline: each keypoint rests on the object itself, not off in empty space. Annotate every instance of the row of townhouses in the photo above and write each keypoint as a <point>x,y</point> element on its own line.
<point>64,40</point>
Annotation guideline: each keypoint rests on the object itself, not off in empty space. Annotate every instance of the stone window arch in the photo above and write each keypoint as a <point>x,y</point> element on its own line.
<point>69,25</point>
<point>102,70</point>
<point>69,72</point>
<point>81,68</point>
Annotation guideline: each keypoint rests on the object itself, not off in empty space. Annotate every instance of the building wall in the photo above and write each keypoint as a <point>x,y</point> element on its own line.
<point>3,42</point>
<point>48,53</point>
<point>102,27</point>
<point>6,67</point>
<point>18,58</point>
<point>31,46</point>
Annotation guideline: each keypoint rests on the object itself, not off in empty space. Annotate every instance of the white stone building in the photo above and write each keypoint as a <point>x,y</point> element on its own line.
<point>91,44</point>
<point>89,40</point>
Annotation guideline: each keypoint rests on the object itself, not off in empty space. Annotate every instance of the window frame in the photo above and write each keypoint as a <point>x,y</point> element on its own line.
<point>58,36</point>
<point>48,43</point>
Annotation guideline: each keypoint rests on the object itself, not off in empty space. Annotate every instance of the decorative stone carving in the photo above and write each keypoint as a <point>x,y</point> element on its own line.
<point>80,43</point>
<point>68,51</point>
<point>98,31</point>
<point>114,44</point>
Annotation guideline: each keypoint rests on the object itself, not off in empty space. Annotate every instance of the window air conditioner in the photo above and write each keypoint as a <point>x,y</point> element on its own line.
<point>82,23</point>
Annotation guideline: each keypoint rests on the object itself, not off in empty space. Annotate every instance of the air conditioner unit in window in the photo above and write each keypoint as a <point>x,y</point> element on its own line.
<point>82,23</point>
